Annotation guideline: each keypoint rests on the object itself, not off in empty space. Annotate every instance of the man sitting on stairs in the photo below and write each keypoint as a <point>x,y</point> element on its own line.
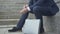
<point>39,8</point>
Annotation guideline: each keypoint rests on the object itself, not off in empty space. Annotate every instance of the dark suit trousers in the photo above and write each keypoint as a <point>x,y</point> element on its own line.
<point>24,17</point>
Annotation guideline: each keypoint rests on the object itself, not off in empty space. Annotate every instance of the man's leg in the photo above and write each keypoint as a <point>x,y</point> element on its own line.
<point>20,23</point>
<point>37,12</point>
<point>22,20</point>
<point>41,29</point>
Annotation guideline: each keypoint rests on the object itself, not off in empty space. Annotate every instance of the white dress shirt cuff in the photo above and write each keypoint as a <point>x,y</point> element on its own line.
<point>28,9</point>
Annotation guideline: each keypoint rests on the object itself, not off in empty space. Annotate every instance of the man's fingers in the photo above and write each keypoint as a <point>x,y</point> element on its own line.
<point>21,11</point>
<point>24,11</point>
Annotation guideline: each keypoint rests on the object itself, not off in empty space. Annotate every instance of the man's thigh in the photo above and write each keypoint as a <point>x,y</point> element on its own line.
<point>44,11</point>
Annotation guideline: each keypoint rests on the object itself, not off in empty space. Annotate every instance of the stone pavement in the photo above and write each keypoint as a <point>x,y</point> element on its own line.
<point>5,31</point>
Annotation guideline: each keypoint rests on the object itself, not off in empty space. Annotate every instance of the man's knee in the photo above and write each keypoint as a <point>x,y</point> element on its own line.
<point>36,9</point>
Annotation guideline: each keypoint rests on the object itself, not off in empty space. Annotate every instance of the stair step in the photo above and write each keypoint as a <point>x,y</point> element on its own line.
<point>7,26</point>
<point>9,19</point>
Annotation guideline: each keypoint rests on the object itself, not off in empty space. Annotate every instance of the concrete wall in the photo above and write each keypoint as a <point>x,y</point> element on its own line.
<point>52,23</point>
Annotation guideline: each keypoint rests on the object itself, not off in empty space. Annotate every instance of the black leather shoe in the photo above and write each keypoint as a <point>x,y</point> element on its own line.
<point>42,30</point>
<point>15,29</point>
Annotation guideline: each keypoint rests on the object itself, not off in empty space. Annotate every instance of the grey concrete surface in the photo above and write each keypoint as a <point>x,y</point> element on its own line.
<point>52,23</point>
<point>5,31</point>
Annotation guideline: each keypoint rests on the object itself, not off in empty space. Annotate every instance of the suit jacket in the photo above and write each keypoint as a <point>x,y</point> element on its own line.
<point>45,3</point>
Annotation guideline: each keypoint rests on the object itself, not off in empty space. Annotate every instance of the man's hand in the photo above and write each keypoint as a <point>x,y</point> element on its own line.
<point>25,6</point>
<point>24,10</point>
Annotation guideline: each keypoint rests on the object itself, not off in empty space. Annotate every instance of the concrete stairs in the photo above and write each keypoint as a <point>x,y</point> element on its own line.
<point>9,11</point>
